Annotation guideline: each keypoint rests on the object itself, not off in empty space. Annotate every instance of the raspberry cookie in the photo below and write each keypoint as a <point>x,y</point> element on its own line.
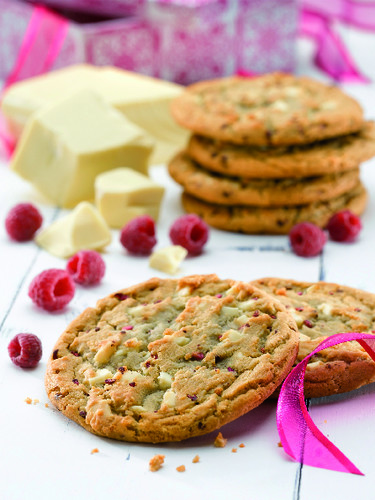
<point>331,156</point>
<point>274,109</point>
<point>224,190</point>
<point>274,220</point>
<point>324,309</point>
<point>169,359</point>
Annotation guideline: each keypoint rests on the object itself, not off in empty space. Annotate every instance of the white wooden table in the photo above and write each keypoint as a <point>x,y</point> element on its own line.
<point>43,455</point>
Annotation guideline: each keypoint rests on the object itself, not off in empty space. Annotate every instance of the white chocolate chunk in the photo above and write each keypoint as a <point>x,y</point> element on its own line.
<point>325,309</point>
<point>303,337</point>
<point>101,376</point>
<point>143,100</point>
<point>229,312</point>
<point>241,320</point>
<point>313,365</point>
<point>280,105</point>
<point>231,336</point>
<point>82,228</point>
<point>132,376</point>
<point>65,146</point>
<point>327,105</point>
<point>105,352</point>
<point>297,318</point>
<point>168,259</point>
<point>181,341</point>
<point>165,380</point>
<point>138,408</point>
<point>169,398</point>
<point>122,194</point>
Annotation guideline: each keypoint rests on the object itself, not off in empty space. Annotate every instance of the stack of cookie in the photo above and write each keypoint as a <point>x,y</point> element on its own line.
<point>269,152</point>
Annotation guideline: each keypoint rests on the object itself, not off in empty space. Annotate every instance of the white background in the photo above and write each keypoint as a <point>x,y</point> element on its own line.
<point>43,455</point>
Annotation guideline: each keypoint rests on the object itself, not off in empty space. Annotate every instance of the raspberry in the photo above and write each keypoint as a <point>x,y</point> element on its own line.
<point>307,239</point>
<point>190,232</point>
<point>23,221</point>
<point>344,226</point>
<point>25,350</point>
<point>86,267</point>
<point>52,289</point>
<point>138,236</point>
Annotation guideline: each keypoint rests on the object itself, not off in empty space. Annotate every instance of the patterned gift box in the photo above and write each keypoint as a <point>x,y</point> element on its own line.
<point>178,40</point>
<point>201,39</point>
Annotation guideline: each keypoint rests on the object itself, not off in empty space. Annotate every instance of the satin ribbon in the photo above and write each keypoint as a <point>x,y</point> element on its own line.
<point>331,55</point>
<point>355,13</point>
<point>299,436</point>
<point>40,47</point>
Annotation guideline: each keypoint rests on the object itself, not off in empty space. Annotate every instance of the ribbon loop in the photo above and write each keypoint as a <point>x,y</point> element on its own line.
<point>299,436</point>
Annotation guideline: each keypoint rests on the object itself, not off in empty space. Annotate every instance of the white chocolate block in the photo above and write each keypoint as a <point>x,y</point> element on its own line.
<point>168,259</point>
<point>143,100</point>
<point>82,229</point>
<point>122,194</point>
<point>65,146</point>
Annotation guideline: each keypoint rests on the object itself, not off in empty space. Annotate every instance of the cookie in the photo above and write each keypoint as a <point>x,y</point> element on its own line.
<point>169,359</point>
<point>224,190</point>
<point>276,220</point>
<point>321,310</point>
<point>324,157</point>
<point>274,109</point>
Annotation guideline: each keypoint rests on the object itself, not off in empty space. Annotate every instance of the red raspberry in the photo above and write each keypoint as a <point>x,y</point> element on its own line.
<point>86,267</point>
<point>191,232</point>
<point>138,236</point>
<point>344,226</point>
<point>52,289</point>
<point>23,221</point>
<point>25,350</point>
<point>307,239</point>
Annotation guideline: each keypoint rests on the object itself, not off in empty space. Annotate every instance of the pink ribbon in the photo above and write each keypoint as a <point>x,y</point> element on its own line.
<point>331,54</point>
<point>355,13</point>
<point>299,436</point>
<point>40,47</point>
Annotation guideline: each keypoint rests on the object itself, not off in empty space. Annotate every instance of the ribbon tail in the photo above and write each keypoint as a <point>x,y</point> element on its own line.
<point>331,55</point>
<point>300,437</point>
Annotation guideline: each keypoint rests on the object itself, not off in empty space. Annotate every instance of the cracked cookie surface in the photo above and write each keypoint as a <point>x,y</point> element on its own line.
<point>224,190</point>
<point>169,359</point>
<point>273,109</point>
<point>331,156</point>
<point>321,310</point>
<point>274,220</point>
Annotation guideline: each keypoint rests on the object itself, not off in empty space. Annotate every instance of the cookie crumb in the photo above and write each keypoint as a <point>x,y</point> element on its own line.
<point>46,405</point>
<point>281,291</point>
<point>181,468</point>
<point>28,401</point>
<point>94,450</point>
<point>196,459</point>
<point>279,444</point>
<point>241,445</point>
<point>156,462</point>
<point>325,421</point>
<point>36,401</point>
<point>234,450</point>
<point>220,442</point>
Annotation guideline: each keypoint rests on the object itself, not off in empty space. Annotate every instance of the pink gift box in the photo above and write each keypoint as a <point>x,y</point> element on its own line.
<point>177,40</point>
<point>202,39</point>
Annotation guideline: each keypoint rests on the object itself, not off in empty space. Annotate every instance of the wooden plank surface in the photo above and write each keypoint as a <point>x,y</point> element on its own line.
<point>45,455</point>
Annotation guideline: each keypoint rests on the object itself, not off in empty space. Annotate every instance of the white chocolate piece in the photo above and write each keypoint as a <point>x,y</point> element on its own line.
<point>122,194</point>
<point>100,377</point>
<point>143,100</point>
<point>66,145</point>
<point>82,229</point>
<point>168,259</point>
